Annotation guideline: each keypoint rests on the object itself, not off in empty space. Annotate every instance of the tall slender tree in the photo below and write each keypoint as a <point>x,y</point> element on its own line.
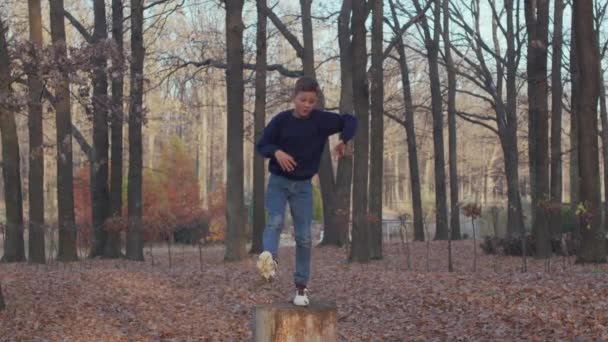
<point>431,41</point>
<point>537,25</point>
<point>409,124</point>
<point>100,192</point>
<point>135,243</point>
<point>359,251</point>
<point>593,246</point>
<point>112,248</point>
<point>14,249</point>
<point>63,122</point>
<point>259,122</point>
<point>36,156</point>
<point>556,118</point>
<point>376,132</point>
<point>235,207</point>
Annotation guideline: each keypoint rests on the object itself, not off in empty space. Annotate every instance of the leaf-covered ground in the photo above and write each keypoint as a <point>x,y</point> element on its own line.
<point>97,300</point>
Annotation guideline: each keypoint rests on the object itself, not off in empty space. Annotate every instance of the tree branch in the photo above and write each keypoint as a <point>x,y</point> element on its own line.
<point>222,65</point>
<point>82,142</point>
<point>395,118</point>
<point>293,40</point>
<point>79,27</point>
<point>465,117</point>
<point>404,28</point>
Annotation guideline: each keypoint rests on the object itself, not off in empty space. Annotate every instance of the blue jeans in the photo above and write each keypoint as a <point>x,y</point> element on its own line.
<point>298,194</point>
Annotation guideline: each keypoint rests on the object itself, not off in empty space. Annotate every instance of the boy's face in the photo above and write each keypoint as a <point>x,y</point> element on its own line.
<point>304,102</point>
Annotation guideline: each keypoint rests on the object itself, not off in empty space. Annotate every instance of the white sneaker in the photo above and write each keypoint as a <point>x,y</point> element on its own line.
<point>301,298</point>
<point>267,266</point>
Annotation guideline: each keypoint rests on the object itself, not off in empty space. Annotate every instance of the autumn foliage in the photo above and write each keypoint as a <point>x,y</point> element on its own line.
<point>171,198</point>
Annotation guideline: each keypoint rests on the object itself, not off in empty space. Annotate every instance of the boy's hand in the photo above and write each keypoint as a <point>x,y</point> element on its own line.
<point>341,150</point>
<point>286,161</point>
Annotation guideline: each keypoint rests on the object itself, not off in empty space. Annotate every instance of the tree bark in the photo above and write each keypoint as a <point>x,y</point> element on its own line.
<point>604,118</point>
<point>235,208</point>
<point>2,303</point>
<point>432,46</point>
<point>593,245</point>
<point>574,130</point>
<point>556,120</point>
<point>452,143</point>
<point>14,249</point>
<point>537,24</point>
<point>338,234</point>
<point>36,246</point>
<point>100,192</point>
<point>359,251</point>
<point>377,133</point>
<point>113,244</point>
<point>135,242</point>
<point>63,121</point>
<point>259,217</point>
<point>411,137</point>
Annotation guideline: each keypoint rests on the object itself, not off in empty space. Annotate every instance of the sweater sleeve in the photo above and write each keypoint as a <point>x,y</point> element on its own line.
<point>345,124</point>
<point>267,145</point>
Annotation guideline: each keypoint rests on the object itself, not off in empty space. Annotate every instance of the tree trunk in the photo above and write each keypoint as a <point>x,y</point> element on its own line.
<point>259,217</point>
<point>13,240</point>
<point>452,144</point>
<point>411,137</point>
<point>432,45</point>
<point>2,303</point>
<point>556,121</point>
<point>338,234</point>
<point>135,242</point>
<point>593,245</point>
<point>604,118</point>
<point>235,208</point>
<point>377,133</point>
<point>359,251</point>
<point>537,23</point>
<point>574,130</point>
<point>63,121</point>
<point>113,244</point>
<point>36,173</point>
<point>100,192</point>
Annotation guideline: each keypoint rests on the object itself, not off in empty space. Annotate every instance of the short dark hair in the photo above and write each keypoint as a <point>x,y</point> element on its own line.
<point>306,84</point>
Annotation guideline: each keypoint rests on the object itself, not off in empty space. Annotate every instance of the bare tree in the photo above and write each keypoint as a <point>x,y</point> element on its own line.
<point>63,121</point>
<point>593,246</point>
<point>574,129</point>
<point>377,133</point>
<point>409,125</point>
<point>556,119</point>
<point>537,25</point>
<point>36,171</point>
<point>235,207</point>
<point>431,41</point>
<point>113,244</point>
<point>135,242</point>
<point>338,234</point>
<point>14,249</point>
<point>359,251</point>
<point>259,121</point>
<point>493,83</point>
<point>100,192</point>
<point>452,146</point>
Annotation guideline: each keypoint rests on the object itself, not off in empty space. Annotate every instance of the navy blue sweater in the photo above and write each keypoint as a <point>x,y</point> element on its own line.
<point>303,139</point>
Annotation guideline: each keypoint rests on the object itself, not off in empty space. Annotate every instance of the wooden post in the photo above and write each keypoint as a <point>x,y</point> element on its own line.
<point>286,322</point>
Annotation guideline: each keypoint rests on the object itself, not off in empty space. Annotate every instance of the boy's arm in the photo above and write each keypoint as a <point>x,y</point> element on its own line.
<point>345,124</point>
<point>266,146</point>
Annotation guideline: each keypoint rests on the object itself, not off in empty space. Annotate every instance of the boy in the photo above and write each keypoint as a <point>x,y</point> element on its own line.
<point>294,141</point>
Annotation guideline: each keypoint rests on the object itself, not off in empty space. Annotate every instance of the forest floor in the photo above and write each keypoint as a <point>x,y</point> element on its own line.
<point>118,300</point>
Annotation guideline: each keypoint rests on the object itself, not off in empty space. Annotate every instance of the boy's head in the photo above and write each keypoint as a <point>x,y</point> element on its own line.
<point>305,96</point>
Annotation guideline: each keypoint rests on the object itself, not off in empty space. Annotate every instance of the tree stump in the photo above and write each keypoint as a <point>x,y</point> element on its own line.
<point>286,322</point>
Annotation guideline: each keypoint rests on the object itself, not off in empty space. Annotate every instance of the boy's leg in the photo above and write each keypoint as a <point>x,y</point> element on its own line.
<point>300,203</point>
<point>276,199</point>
